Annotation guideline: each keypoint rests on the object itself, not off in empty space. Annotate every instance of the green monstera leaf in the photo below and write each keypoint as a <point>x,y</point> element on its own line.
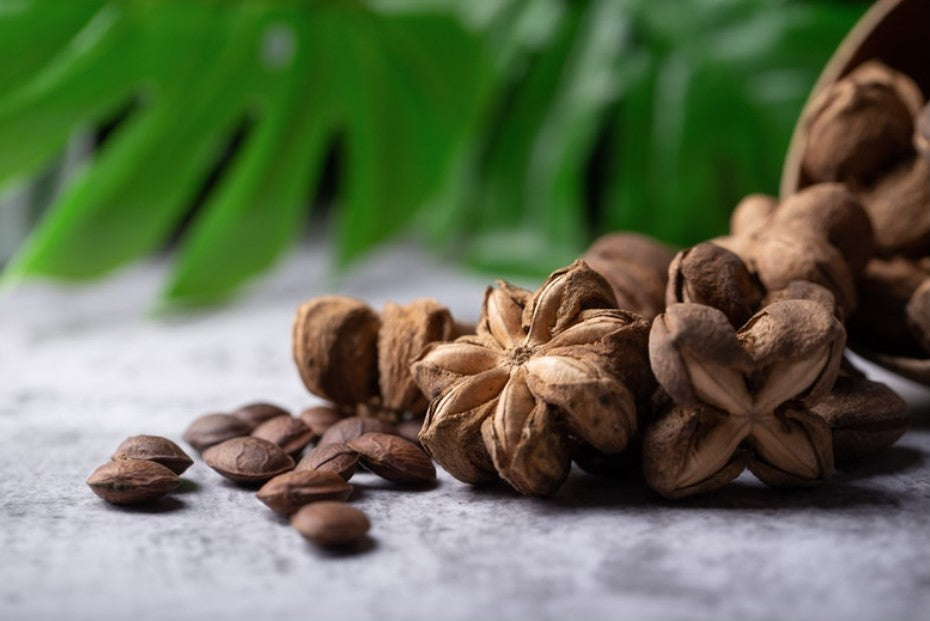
<point>296,74</point>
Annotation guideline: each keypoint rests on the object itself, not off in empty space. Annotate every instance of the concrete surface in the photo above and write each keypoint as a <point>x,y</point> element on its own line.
<point>82,369</point>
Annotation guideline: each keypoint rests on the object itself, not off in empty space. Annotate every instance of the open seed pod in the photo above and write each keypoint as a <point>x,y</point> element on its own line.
<point>738,397</point>
<point>546,373</point>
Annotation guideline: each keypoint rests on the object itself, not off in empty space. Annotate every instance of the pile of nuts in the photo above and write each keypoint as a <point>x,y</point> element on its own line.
<point>688,367</point>
<point>256,445</point>
<point>871,132</point>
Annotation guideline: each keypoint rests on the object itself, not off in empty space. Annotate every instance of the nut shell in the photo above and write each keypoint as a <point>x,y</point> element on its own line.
<point>330,523</point>
<point>289,433</point>
<point>334,346</point>
<point>394,458</point>
<point>257,413</point>
<point>248,459</point>
<point>154,448</point>
<point>335,457</point>
<point>288,492</point>
<point>211,429</point>
<point>132,482</point>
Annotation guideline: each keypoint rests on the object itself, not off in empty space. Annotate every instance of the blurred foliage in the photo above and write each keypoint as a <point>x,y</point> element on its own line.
<point>508,132</point>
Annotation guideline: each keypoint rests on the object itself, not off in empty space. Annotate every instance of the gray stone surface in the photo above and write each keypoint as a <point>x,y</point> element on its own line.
<point>82,369</point>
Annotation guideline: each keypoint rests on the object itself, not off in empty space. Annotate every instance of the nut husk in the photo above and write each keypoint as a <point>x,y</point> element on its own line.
<point>154,448</point>
<point>861,124</point>
<point>288,492</point>
<point>248,459</point>
<point>335,348</point>
<point>132,482</point>
<point>636,267</point>
<point>330,523</point>
<point>710,275</point>
<point>865,417</point>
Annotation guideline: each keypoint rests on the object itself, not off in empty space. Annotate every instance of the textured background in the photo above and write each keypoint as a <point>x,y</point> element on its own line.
<point>82,369</point>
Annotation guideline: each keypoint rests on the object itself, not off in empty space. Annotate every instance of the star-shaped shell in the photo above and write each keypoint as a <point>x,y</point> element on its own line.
<point>738,398</point>
<point>545,373</point>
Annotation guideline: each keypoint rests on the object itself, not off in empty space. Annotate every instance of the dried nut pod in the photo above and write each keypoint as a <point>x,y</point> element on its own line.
<point>545,371</point>
<point>132,482</point>
<point>922,132</point>
<point>248,459</point>
<point>752,214</point>
<point>865,417</point>
<point>636,267</point>
<point>330,523</point>
<point>831,210</point>
<point>697,358</point>
<point>288,492</point>
<point>410,430</point>
<point>881,322</point>
<point>804,290</point>
<point>899,206</point>
<point>320,418</point>
<point>289,433</point>
<point>335,457</point>
<point>860,125</point>
<point>710,275</point>
<point>394,459</point>
<point>786,256</point>
<point>211,429</point>
<point>257,413</point>
<point>405,331</point>
<point>918,315</point>
<point>334,344</point>
<point>350,428</point>
<point>154,448</point>
<point>737,397</point>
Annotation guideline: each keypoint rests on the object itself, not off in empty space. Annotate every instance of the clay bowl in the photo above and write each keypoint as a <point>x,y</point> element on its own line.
<point>896,32</point>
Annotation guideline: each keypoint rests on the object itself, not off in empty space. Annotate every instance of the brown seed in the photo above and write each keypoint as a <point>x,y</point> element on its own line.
<point>320,418</point>
<point>330,523</point>
<point>211,429</point>
<point>410,430</point>
<point>290,433</point>
<point>132,482</point>
<point>337,458</point>
<point>257,413</point>
<point>350,428</point>
<point>394,459</point>
<point>288,492</point>
<point>248,459</point>
<point>154,448</point>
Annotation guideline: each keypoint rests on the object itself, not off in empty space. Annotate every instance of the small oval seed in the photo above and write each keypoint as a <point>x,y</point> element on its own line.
<point>254,414</point>
<point>353,427</point>
<point>320,418</point>
<point>154,448</point>
<point>132,482</point>
<point>247,459</point>
<point>330,523</point>
<point>211,429</point>
<point>290,433</point>
<point>394,459</point>
<point>288,492</point>
<point>336,457</point>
